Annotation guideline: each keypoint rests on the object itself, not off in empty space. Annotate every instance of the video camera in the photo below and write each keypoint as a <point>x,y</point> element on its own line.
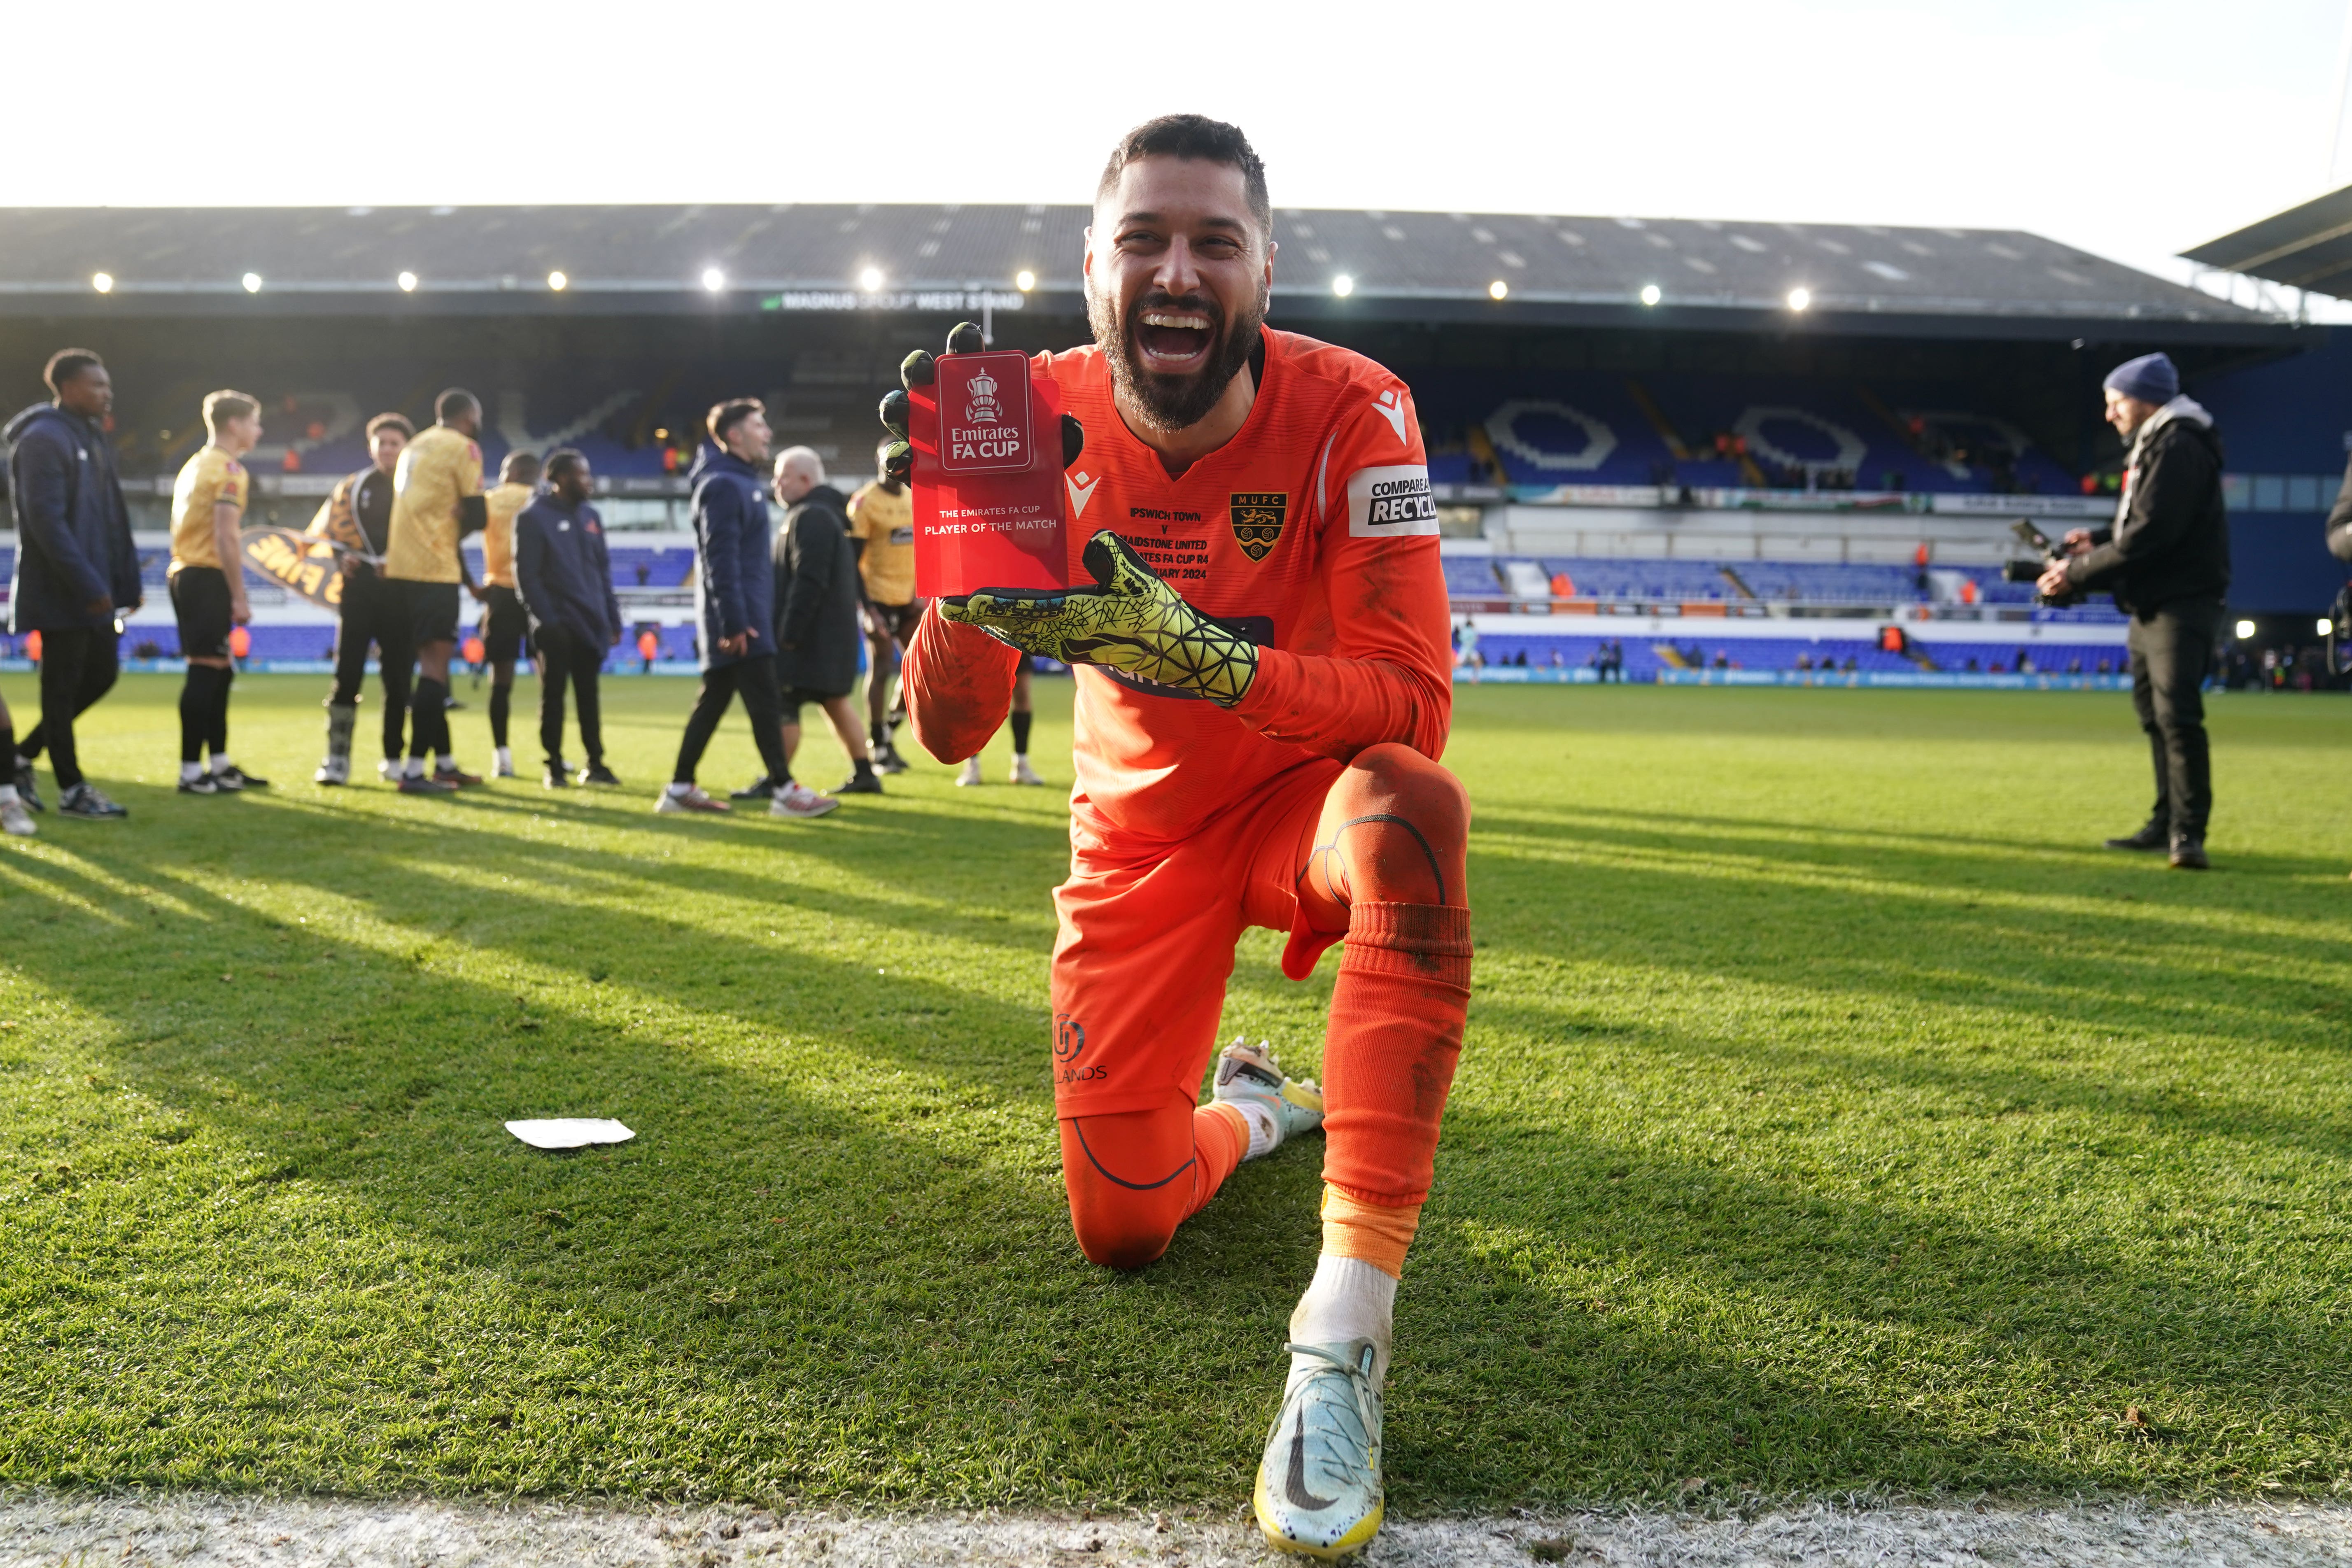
<point>2035,540</point>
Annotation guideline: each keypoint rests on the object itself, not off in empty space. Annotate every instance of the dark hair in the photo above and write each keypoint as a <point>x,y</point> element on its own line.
<point>1194,136</point>
<point>725,417</point>
<point>390,422</point>
<point>66,365</point>
<point>455,403</point>
<point>564,458</point>
<point>521,467</point>
<point>220,407</point>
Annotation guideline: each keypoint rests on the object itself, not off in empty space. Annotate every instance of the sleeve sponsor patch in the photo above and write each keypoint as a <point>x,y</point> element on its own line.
<point>1387,503</point>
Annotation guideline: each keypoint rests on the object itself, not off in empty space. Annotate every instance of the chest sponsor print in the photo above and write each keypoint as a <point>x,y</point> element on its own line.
<point>1257,517</point>
<point>1390,503</point>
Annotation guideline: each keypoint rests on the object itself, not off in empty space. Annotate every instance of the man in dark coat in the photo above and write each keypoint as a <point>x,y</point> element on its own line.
<point>817,595</point>
<point>735,599</point>
<point>76,569</point>
<point>564,576</point>
<point>2166,561</point>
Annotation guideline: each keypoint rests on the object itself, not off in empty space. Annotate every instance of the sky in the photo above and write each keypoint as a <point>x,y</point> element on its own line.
<point>2130,130</point>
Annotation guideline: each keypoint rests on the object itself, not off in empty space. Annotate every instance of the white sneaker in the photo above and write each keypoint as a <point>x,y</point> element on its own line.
<point>502,763</point>
<point>970,774</point>
<point>1023,773</point>
<point>693,800</point>
<point>16,820</point>
<point>796,799</point>
<point>334,771</point>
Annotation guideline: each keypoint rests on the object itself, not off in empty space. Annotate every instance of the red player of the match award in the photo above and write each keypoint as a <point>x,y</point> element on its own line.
<point>988,478</point>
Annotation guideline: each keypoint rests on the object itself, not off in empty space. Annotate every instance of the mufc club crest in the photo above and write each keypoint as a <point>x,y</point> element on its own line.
<point>1257,520</point>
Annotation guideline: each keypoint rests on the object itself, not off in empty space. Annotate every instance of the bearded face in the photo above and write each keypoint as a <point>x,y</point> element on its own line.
<point>1179,268</point>
<point>1171,359</point>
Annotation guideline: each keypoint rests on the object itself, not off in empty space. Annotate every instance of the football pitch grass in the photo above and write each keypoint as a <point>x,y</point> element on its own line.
<point>1835,1119</point>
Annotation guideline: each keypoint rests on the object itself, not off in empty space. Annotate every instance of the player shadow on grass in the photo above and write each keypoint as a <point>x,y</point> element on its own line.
<point>832,1249</point>
<point>918,1325</point>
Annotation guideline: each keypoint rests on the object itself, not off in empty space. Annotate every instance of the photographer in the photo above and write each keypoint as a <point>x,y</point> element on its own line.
<point>2166,561</point>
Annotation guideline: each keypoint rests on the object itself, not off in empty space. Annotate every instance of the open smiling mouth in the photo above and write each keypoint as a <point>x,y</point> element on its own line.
<point>1175,342</point>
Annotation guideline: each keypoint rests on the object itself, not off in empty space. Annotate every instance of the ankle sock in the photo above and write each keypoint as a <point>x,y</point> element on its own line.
<point>680,788</point>
<point>1348,1299</point>
<point>191,772</point>
<point>221,763</point>
<point>1264,1132</point>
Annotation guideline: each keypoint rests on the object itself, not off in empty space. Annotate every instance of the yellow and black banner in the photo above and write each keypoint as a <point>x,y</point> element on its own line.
<point>298,563</point>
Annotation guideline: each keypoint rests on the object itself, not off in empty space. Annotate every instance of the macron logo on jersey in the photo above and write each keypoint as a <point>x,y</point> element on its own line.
<point>1082,491</point>
<point>1389,405</point>
<point>1390,503</point>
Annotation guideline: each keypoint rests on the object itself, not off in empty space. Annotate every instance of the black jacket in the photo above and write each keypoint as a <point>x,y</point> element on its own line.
<point>2339,519</point>
<point>2171,537</point>
<point>563,572</point>
<point>731,538</point>
<point>73,533</point>
<point>817,595</point>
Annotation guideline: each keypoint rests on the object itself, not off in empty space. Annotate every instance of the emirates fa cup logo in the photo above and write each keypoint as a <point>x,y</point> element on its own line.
<point>982,407</point>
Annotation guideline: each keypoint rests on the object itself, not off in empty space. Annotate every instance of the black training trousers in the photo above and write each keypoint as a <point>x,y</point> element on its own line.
<point>755,677</point>
<point>566,658</point>
<point>2171,654</point>
<point>374,611</point>
<point>78,664</point>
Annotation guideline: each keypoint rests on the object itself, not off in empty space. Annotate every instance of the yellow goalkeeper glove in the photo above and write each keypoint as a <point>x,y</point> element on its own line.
<point>1129,620</point>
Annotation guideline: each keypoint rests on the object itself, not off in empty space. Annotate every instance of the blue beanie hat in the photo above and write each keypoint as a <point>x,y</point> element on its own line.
<point>2151,378</point>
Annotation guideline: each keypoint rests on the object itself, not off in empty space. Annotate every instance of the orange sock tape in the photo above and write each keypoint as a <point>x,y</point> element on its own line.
<point>1354,1228</point>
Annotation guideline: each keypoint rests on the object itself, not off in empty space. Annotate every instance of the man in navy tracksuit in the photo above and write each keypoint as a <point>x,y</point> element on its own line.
<point>735,597</point>
<point>565,579</point>
<point>77,568</point>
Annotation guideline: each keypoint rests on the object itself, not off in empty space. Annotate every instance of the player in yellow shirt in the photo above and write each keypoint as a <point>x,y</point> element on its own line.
<point>503,620</point>
<point>207,577</point>
<point>436,500</point>
<point>882,532</point>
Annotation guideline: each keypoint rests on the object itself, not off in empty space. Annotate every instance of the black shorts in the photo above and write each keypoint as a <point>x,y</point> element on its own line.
<point>432,611</point>
<point>795,696</point>
<point>504,623</point>
<point>200,600</point>
<point>897,622</point>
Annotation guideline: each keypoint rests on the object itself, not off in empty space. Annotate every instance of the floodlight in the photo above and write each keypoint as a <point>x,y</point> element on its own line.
<point>408,281</point>
<point>1025,280</point>
<point>1497,289</point>
<point>713,280</point>
<point>558,281</point>
<point>2327,627</point>
<point>1801,299</point>
<point>102,281</point>
<point>1343,285</point>
<point>2246,630</point>
<point>870,279</point>
<point>252,281</point>
<point>1651,293</point>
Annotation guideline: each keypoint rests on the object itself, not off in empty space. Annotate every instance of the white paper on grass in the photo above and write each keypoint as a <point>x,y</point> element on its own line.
<point>570,1132</point>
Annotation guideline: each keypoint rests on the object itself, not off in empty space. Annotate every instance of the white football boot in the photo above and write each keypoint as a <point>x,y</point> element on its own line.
<point>1023,773</point>
<point>1318,1489</point>
<point>970,774</point>
<point>1276,1107</point>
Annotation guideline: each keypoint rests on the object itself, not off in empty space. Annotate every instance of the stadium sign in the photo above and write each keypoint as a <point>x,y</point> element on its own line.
<point>941,300</point>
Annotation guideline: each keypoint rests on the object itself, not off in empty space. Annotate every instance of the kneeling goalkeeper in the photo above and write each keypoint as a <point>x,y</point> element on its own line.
<point>1263,692</point>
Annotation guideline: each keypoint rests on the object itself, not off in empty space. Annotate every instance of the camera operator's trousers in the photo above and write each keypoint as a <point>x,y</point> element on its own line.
<point>2171,655</point>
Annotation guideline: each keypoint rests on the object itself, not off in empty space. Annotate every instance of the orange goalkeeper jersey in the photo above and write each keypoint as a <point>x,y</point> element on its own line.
<point>1312,532</point>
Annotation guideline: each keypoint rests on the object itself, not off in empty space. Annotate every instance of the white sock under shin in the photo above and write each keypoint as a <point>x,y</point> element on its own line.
<point>1348,1299</point>
<point>1265,1133</point>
